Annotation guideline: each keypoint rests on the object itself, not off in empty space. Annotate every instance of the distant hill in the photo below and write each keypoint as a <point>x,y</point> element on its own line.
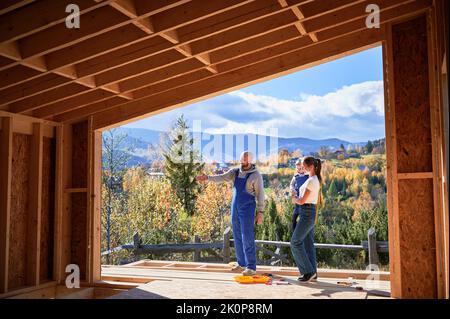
<point>139,140</point>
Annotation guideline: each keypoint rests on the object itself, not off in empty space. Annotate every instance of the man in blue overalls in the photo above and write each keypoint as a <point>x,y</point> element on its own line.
<point>248,197</point>
<point>297,181</point>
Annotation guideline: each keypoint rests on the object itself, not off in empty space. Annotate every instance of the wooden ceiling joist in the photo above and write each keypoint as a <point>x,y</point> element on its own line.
<point>275,51</point>
<point>130,51</point>
<point>232,80</point>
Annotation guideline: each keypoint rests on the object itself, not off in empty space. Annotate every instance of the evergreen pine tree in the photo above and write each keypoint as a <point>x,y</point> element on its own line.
<point>332,189</point>
<point>182,165</point>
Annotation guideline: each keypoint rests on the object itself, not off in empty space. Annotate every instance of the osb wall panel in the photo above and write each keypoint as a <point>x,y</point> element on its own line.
<point>48,209</point>
<point>412,100</point>
<point>19,210</point>
<point>417,241</point>
<point>79,232</point>
<point>79,154</point>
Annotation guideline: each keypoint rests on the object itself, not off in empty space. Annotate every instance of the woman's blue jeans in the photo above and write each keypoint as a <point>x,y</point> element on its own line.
<point>302,241</point>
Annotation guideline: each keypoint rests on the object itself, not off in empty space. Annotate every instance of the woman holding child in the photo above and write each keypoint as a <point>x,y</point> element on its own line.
<point>302,241</point>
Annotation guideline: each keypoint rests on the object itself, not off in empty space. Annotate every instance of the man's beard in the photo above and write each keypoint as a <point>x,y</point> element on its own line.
<point>245,167</point>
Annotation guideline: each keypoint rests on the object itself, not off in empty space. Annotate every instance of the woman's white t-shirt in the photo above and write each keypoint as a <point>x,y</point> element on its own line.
<point>313,184</point>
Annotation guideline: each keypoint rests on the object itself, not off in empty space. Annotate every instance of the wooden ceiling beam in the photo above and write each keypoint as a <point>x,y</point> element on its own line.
<point>95,44</point>
<point>243,33</point>
<point>137,86</point>
<point>266,40</point>
<point>389,15</point>
<point>33,87</point>
<point>122,38</point>
<point>58,94</point>
<point>192,12</point>
<point>347,14</point>
<point>128,8</point>
<point>258,72</point>
<point>173,70</point>
<point>104,19</point>
<point>77,114</point>
<point>73,102</point>
<point>195,76</point>
<point>206,59</point>
<point>300,16</point>
<point>51,13</point>
<point>130,70</point>
<point>10,5</point>
<point>94,23</point>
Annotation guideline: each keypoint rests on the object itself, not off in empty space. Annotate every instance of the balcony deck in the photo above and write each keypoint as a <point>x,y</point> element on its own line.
<point>188,280</point>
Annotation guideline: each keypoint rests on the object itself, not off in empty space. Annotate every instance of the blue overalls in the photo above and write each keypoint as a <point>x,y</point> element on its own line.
<point>299,181</point>
<point>243,208</point>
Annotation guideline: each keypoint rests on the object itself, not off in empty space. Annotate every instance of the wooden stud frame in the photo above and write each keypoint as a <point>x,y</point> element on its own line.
<point>146,57</point>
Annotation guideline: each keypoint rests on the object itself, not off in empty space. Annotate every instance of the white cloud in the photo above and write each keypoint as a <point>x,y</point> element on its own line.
<point>346,113</point>
<point>354,113</point>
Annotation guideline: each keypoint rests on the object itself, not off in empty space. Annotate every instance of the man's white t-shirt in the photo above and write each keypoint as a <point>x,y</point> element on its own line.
<point>313,184</point>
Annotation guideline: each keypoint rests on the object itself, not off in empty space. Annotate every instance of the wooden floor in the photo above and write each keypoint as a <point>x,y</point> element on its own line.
<point>216,281</point>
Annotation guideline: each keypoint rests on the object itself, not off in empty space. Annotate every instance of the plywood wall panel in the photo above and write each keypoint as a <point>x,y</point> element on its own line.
<point>412,97</point>
<point>79,155</point>
<point>19,210</point>
<point>48,209</point>
<point>417,238</point>
<point>79,232</point>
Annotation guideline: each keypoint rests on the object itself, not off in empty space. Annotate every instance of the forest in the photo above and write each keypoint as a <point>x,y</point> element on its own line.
<point>173,208</point>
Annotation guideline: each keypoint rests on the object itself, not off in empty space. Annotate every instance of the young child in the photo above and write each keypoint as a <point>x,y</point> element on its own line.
<point>297,181</point>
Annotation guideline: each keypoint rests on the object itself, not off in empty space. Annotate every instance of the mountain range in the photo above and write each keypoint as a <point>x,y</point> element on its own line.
<point>216,147</point>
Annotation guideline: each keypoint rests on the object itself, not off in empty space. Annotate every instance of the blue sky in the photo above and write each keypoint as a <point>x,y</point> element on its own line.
<point>339,99</point>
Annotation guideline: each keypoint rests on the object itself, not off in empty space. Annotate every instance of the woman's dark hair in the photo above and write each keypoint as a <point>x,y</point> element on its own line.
<point>309,160</point>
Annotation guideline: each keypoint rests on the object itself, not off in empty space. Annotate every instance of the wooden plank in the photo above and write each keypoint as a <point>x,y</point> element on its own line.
<point>32,87</point>
<point>76,190</point>
<point>10,5</point>
<point>416,210</point>
<point>245,76</point>
<point>245,49</point>
<point>59,202</point>
<point>133,50</point>
<point>52,96</point>
<point>45,290</point>
<point>20,213</point>
<point>5,198</point>
<point>50,13</point>
<point>437,142</point>
<point>79,221</point>
<point>35,206</point>
<point>420,175</point>
<point>66,215</point>
<point>94,203</point>
<point>391,162</point>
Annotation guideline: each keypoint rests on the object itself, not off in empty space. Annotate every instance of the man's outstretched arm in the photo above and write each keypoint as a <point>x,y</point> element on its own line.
<point>221,178</point>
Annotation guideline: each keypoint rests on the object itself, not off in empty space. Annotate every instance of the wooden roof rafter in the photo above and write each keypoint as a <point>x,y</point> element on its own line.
<point>144,51</point>
<point>176,83</point>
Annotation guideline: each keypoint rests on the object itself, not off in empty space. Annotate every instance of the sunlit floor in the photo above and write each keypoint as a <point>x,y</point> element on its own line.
<point>216,281</point>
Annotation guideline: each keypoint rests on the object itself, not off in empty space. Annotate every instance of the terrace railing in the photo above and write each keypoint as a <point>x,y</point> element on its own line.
<point>277,257</point>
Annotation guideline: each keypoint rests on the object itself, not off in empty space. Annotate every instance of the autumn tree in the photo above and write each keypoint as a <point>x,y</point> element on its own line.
<point>115,156</point>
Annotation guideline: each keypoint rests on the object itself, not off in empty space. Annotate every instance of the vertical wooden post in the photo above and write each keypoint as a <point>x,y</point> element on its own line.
<point>372,246</point>
<point>391,161</point>
<point>438,146</point>
<point>5,198</point>
<point>94,203</point>
<point>59,194</point>
<point>66,213</point>
<point>226,245</point>
<point>136,241</point>
<point>411,160</point>
<point>35,203</point>
<point>196,254</point>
